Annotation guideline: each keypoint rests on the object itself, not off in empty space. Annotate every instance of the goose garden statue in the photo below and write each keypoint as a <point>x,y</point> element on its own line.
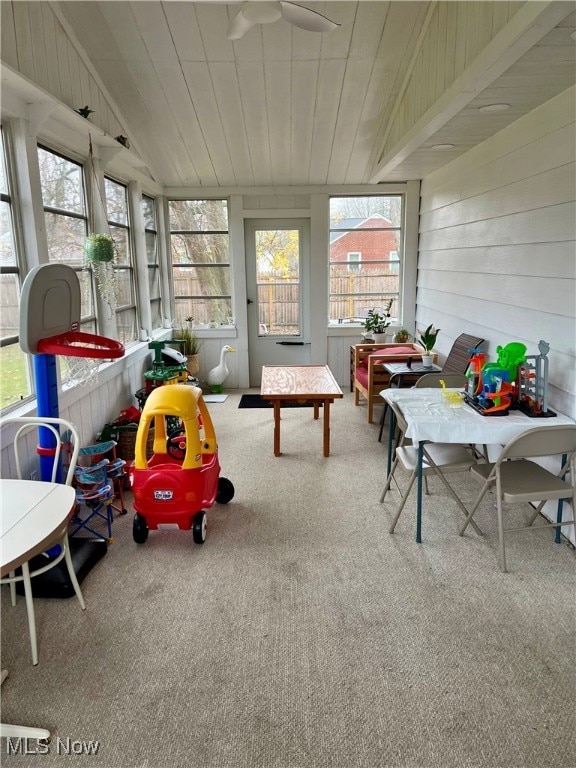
<point>217,375</point>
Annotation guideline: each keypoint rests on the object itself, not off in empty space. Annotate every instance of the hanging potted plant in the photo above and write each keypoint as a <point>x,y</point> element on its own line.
<point>99,248</point>
<point>428,339</point>
<point>99,254</point>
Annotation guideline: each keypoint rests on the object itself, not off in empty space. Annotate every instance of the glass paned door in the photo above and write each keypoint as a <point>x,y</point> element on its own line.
<point>277,278</point>
<point>278,281</point>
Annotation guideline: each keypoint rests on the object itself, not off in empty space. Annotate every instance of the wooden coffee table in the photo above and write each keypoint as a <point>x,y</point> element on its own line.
<point>302,384</point>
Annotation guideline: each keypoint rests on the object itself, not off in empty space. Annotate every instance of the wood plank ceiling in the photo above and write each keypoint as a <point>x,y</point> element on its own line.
<point>281,106</point>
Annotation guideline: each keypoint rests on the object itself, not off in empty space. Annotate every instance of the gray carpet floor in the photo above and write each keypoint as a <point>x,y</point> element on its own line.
<point>302,634</point>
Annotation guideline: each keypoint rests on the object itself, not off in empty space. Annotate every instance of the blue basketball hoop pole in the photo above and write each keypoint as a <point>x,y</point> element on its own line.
<point>45,377</point>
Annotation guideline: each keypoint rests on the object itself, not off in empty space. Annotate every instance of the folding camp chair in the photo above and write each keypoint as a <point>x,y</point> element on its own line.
<point>94,479</point>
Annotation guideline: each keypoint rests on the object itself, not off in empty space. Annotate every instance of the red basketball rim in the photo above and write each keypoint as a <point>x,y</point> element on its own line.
<point>64,344</point>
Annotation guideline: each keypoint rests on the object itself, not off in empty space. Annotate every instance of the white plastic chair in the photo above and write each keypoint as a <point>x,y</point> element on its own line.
<point>29,423</point>
<point>517,479</point>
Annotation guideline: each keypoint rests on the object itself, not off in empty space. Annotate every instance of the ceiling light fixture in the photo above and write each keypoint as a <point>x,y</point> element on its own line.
<point>442,146</point>
<point>494,108</point>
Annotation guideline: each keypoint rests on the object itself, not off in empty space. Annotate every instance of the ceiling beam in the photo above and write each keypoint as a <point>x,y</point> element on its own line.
<point>532,22</point>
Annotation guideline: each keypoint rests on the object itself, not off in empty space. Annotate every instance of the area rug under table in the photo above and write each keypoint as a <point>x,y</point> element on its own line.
<point>256,401</point>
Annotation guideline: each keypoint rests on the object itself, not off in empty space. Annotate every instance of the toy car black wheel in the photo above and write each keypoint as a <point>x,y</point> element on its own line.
<point>225,492</point>
<point>139,529</point>
<point>199,527</point>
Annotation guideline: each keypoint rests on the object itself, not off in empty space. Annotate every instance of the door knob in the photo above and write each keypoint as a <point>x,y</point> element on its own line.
<point>249,301</point>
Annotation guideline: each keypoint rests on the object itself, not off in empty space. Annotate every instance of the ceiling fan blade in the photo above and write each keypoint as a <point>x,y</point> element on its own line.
<point>238,27</point>
<point>304,18</point>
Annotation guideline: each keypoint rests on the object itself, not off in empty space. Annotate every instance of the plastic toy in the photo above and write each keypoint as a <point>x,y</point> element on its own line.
<point>509,358</point>
<point>497,387</point>
<point>49,326</point>
<point>182,477</point>
<point>533,383</point>
<point>218,374</point>
<point>162,373</point>
<point>49,323</point>
<point>474,374</point>
<point>452,398</point>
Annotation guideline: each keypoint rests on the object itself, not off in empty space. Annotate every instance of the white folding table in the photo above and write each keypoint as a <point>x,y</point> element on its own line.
<point>431,419</point>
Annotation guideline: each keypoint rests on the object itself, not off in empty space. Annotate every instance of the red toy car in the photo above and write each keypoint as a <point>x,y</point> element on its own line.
<point>182,477</point>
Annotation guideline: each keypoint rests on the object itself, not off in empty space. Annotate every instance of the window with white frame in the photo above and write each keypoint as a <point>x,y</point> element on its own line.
<point>354,260</point>
<point>200,260</point>
<point>15,381</point>
<point>66,221</point>
<point>119,225</point>
<point>154,282</point>
<point>373,227</point>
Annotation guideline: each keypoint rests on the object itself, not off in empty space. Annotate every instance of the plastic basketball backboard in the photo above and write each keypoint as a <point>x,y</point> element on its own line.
<point>49,304</point>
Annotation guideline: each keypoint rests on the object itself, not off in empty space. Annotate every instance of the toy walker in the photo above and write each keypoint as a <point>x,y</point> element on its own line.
<point>182,477</point>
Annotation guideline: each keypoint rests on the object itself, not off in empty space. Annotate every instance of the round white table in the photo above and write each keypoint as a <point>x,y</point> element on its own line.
<point>33,516</point>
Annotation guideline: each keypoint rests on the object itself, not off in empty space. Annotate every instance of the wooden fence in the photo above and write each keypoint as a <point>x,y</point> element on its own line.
<point>279,303</point>
<point>352,294</point>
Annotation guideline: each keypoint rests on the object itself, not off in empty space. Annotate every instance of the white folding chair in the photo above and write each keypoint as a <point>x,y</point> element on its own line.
<point>439,459</point>
<point>517,479</point>
<point>28,423</point>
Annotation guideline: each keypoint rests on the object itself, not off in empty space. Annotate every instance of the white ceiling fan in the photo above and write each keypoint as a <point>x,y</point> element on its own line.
<point>257,12</point>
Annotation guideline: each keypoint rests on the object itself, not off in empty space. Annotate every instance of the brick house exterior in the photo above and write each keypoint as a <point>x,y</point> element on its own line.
<point>372,246</point>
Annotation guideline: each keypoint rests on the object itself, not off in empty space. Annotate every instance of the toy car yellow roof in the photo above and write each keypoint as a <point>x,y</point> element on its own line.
<point>179,400</point>
<point>186,403</point>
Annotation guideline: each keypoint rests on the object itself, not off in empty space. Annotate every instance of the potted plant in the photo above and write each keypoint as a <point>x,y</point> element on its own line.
<point>401,336</point>
<point>99,248</point>
<point>428,339</point>
<point>190,345</point>
<point>376,323</point>
<point>99,254</point>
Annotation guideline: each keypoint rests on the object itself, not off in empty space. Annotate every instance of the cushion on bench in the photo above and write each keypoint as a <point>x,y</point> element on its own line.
<point>362,375</point>
<point>388,351</point>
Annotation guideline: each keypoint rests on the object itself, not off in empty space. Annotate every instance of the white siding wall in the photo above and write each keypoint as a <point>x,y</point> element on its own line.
<point>497,243</point>
<point>497,252</point>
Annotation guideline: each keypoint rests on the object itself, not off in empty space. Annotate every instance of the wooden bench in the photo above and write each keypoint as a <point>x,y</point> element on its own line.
<point>369,375</point>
